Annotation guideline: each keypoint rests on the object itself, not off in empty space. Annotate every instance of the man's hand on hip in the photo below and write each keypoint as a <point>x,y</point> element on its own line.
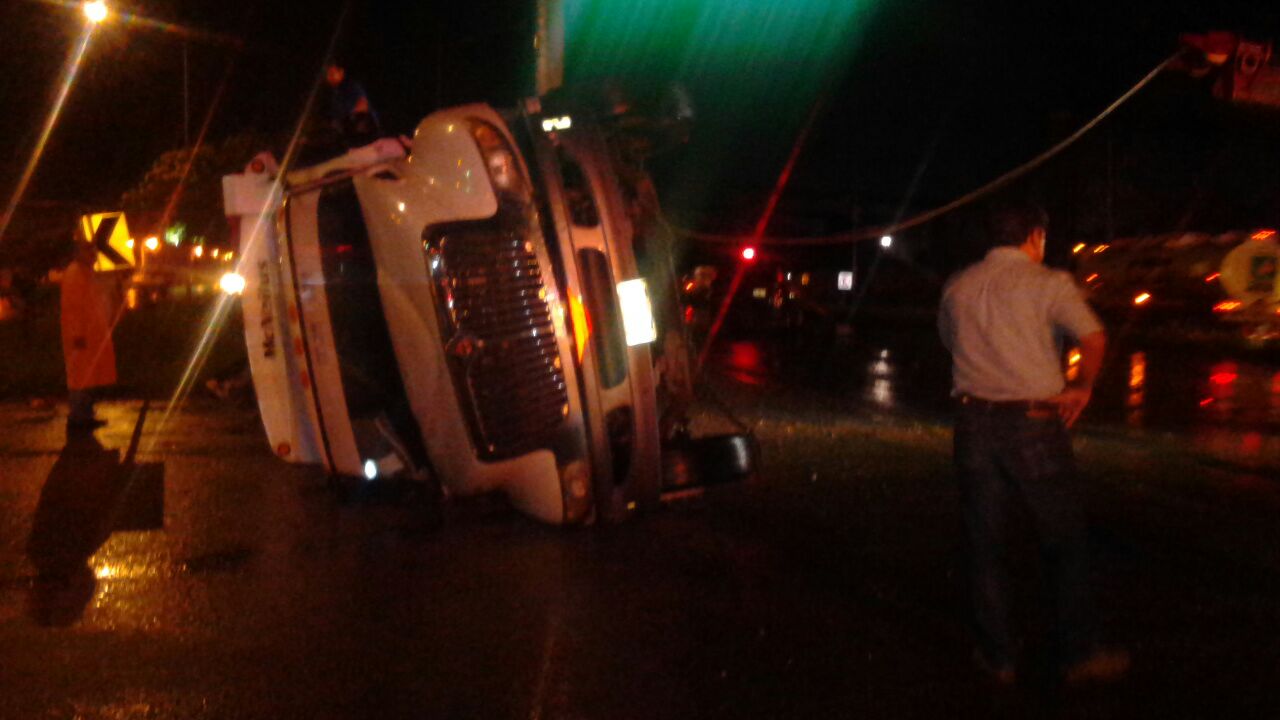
<point>1071,402</point>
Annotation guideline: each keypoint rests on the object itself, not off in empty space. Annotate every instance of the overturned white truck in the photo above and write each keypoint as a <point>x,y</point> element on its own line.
<point>472,308</point>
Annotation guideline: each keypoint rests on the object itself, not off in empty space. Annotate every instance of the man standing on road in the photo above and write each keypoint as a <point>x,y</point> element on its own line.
<point>1003,320</point>
<point>86,338</point>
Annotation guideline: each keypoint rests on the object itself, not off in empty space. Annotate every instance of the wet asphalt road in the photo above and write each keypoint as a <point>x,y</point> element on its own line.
<point>829,587</point>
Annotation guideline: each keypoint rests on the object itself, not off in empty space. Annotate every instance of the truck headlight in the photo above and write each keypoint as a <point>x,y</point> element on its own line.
<point>637,312</point>
<point>232,283</point>
<point>499,158</point>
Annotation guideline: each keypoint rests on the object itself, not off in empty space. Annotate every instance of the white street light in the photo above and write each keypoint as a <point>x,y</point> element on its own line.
<point>96,11</point>
<point>886,241</point>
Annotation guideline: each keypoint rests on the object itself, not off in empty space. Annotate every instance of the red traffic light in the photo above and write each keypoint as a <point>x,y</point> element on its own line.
<point>748,253</point>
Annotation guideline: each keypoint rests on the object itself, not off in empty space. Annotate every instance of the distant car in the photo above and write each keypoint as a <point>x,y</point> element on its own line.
<point>1230,277</point>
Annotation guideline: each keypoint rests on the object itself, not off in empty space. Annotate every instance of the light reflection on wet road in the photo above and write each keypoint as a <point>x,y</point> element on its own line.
<point>1222,398</point>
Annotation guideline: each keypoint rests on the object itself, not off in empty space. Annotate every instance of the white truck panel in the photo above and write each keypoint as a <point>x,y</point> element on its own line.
<point>287,410</point>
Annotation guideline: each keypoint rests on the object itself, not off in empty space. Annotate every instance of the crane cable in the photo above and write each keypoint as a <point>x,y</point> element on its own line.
<point>876,232</point>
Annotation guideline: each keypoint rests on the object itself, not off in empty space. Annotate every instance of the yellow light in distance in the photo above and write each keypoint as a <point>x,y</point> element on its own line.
<point>152,243</point>
<point>1073,364</point>
<point>1137,371</point>
<point>1141,298</point>
<point>1076,250</point>
<point>198,251</point>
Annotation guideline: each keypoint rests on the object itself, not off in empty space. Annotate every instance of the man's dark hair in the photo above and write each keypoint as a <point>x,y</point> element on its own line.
<point>1012,222</point>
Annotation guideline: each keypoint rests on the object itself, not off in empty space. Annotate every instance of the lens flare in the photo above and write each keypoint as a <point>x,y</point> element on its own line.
<point>217,317</point>
<point>69,72</point>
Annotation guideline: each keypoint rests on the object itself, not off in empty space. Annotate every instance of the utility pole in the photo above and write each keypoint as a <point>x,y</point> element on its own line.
<point>549,44</point>
<point>186,98</point>
<point>440,58</point>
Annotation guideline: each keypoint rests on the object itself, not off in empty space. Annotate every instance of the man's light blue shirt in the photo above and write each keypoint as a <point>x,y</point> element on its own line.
<point>1003,320</point>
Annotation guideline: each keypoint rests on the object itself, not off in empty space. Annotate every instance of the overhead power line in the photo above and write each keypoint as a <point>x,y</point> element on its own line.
<point>859,234</point>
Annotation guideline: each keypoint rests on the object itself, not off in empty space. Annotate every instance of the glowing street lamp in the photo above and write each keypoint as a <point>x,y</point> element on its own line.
<point>95,11</point>
<point>886,241</point>
<point>152,243</point>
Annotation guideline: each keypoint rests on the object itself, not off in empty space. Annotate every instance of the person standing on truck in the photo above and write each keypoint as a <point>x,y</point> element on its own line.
<point>86,338</point>
<point>1003,319</point>
<point>350,113</point>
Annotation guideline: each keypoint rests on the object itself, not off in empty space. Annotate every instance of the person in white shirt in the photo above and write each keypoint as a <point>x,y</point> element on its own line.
<point>1004,320</point>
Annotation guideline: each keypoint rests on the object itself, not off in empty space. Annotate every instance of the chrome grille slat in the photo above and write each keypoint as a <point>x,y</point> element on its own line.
<point>509,322</point>
<point>496,286</point>
<point>496,384</point>
<point>522,337</point>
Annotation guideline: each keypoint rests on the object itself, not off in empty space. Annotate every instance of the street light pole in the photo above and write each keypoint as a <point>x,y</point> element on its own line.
<point>95,13</point>
<point>549,42</point>
<point>186,98</point>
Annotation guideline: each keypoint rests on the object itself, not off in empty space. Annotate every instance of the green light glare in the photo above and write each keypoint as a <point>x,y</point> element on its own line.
<point>734,53</point>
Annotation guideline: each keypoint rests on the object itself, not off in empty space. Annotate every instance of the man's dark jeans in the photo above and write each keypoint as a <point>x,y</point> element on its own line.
<point>1005,456</point>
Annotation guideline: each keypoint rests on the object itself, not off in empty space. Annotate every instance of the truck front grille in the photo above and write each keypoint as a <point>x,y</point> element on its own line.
<point>501,339</point>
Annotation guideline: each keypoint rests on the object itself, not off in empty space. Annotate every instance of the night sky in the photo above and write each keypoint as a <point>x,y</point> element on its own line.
<point>954,92</point>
